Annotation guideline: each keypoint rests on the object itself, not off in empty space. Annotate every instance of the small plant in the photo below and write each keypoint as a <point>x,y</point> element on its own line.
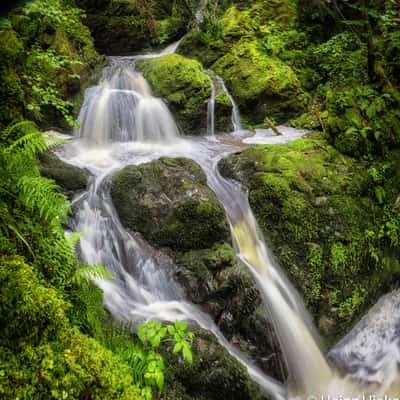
<point>152,334</point>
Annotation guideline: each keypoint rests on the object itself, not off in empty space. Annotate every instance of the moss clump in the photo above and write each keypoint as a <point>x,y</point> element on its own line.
<point>12,96</point>
<point>224,26</point>
<point>195,224</point>
<point>261,85</point>
<point>321,217</point>
<point>41,355</point>
<point>169,202</point>
<point>10,47</point>
<point>184,84</point>
<point>223,113</point>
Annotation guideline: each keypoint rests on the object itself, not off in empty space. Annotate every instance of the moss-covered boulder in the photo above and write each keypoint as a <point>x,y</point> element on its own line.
<point>225,25</point>
<point>186,87</point>
<point>262,85</point>
<point>322,218</point>
<point>42,355</point>
<point>223,111</point>
<point>71,179</point>
<point>169,203</point>
<point>214,374</point>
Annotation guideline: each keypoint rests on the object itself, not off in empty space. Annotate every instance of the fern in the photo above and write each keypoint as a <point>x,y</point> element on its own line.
<point>89,273</point>
<point>40,194</point>
<point>72,239</point>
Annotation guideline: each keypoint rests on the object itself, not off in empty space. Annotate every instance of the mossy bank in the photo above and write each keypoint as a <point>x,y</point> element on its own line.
<point>322,215</point>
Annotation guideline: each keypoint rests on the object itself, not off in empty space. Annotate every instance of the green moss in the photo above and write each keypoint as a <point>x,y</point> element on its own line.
<point>317,210</point>
<point>262,85</point>
<point>223,99</point>
<point>41,355</point>
<point>12,97</point>
<point>10,47</point>
<point>168,201</point>
<point>184,84</point>
<point>196,224</point>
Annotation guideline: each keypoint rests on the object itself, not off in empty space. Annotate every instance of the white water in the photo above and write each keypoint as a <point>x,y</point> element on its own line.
<point>123,124</point>
<point>237,126</point>
<point>211,111</point>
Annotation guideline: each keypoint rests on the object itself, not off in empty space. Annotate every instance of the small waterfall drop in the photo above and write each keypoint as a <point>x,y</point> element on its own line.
<point>121,108</point>
<point>211,111</point>
<point>237,126</point>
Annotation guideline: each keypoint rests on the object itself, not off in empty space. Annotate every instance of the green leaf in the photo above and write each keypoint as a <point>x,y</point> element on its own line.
<point>177,348</point>
<point>187,354</point>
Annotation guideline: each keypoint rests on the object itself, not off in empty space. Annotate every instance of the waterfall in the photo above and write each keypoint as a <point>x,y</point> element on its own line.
<point>122,109</point>
<point>211,111</point>
<point>237,126</point>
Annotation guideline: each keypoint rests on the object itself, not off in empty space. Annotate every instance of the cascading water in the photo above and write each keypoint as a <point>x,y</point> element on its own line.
<point>211,111</point>
<point>237,126</point>
<point>122,109</point>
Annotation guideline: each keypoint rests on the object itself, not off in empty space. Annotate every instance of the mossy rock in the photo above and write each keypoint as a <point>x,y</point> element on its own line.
<point>168,201</point>
<point>43,356</point>
<point>71,179</point>
<point>223,112</point>
<point>185,86</point>
<point>262,85</point>
<point>12,97</point>
<point>214,374</point>
<point>10,47</point>
<point>316,210</point>
<point>224,27</point>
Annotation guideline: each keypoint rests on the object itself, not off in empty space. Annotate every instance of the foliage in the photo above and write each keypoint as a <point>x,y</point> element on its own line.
<point>362,121</point>
<point>41,355</point>
<point>53,49</point>
<point>41,69</point>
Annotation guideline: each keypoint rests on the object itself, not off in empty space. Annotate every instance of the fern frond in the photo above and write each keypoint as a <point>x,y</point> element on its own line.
<point>72,239</point>
<point>40,194</point>
<point>89,273</point>
<point>52,141</point>
<point>19,125</point>
<point>31,144</point>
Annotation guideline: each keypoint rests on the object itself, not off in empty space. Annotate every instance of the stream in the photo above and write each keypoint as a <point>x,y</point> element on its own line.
<point>123,124</point>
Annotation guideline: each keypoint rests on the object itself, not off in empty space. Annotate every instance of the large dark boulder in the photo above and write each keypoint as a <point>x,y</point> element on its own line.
<point>169,203</point>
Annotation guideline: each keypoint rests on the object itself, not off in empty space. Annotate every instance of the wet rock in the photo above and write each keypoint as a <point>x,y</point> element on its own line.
<point>71,179</point>
<point>168,201</point>
<point>223,112</point>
